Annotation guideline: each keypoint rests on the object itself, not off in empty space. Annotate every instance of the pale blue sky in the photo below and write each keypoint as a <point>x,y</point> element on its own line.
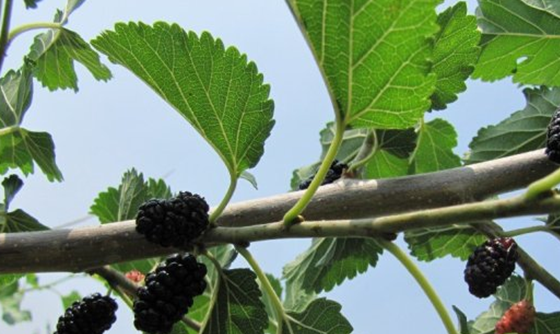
<point>109,127</point>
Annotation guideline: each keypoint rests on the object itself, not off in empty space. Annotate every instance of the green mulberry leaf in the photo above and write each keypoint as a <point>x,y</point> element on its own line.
<point>519,38</point>
<point>511,292</point>
<point>547,323</point>
<point>216,89</point>
<point>122,203</point>
<point>523,131</point>
<point>31,3</point>
<point>322,316</point>
<point>10,301</point>
<point>432,243</point>
<point>374,57</point>
<point>55,52</point>
<point>17,220</point>
<point>238,308</point>
<point>20,148</point>
<point>327,263</point>
<point>434,150</point>
<point>11,184</point>
<point>455,54</point>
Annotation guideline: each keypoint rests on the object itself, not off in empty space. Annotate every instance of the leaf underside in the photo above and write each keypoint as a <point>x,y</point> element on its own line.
<point>523,131</point>
<point>322,316</point>
<point>376,69</point>
<point>216,89</point>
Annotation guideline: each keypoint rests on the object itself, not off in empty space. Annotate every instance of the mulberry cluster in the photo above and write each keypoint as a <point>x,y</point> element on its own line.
<point>94,314</point>
<point>490,265</point>
<point>519,318</point>
<point>168,293</point>
<point>173,222</point>
<point>553,138</point>
<point>335,172</point>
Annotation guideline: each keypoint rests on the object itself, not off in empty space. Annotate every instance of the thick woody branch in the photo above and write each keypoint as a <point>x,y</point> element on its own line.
<point>86,248</point>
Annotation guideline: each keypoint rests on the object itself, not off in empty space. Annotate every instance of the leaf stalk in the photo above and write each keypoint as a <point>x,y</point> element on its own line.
<point>422,282</point>
<point>31,26</point>
<point>291,216</point>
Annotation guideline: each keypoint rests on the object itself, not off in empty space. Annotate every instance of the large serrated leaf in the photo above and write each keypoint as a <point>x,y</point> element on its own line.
<point>327,263</point>
<point>434,150</point>
<point>519,39</point>
<point>322,316</point>
<point>455,54</point>
<point>374,56</point>
<point>523,131</point>
<point>216,89</point>
<point>432,243</point>
<point>238,308</point>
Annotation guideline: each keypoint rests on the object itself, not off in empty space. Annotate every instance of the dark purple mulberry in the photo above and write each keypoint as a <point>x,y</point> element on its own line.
<point>553,138</point>
<point>334,173</point>
<point>490,265</point>
<point>168,293</point>
<point>173,222</point>
<point>94,314</point>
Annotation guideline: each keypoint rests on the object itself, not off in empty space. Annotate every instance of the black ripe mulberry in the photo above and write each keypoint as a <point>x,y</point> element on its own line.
<point>173,222</point>
<point>553,138</point>
<point>490,265</point>
<point>334,173</point>
<point>168,293</point>
<point>93,315</point>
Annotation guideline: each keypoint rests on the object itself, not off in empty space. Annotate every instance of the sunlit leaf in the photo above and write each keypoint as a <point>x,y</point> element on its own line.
<point>455,53</point>
<point>519,39</point>
<point>216,89</point>
<point>374,56</point>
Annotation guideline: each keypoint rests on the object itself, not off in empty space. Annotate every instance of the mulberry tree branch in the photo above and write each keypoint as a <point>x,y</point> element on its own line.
<point>427,200</point>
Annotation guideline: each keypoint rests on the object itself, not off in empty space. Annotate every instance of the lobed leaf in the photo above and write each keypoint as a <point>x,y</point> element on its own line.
<point>521,39</point>
<point>327,263</point>
<point>523,131</point>
<point>431,243</point>
<point>55,53</point>
<point>216,89</point>
<point>374,57</point>
<point>238,308</point>
<point>322,316</point>
<point>455,53</point>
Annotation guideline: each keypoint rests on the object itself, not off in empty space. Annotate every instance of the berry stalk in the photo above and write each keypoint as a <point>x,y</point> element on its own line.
<point>291,216</point>
<point>422,281</point>
<point>543,185</point>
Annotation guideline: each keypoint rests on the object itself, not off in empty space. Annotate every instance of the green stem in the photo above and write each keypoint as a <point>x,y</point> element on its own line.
<point>265,283</point>
<point>31,26</point>
<point>216,291</point>
<point>367,151</point>
<point>525,230</point>
<point>543,185</point>
<point>5,30</point>
<point>422,281</point>
<point>227,197</point>
<point>8,130</point>
<point>292,214</point>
